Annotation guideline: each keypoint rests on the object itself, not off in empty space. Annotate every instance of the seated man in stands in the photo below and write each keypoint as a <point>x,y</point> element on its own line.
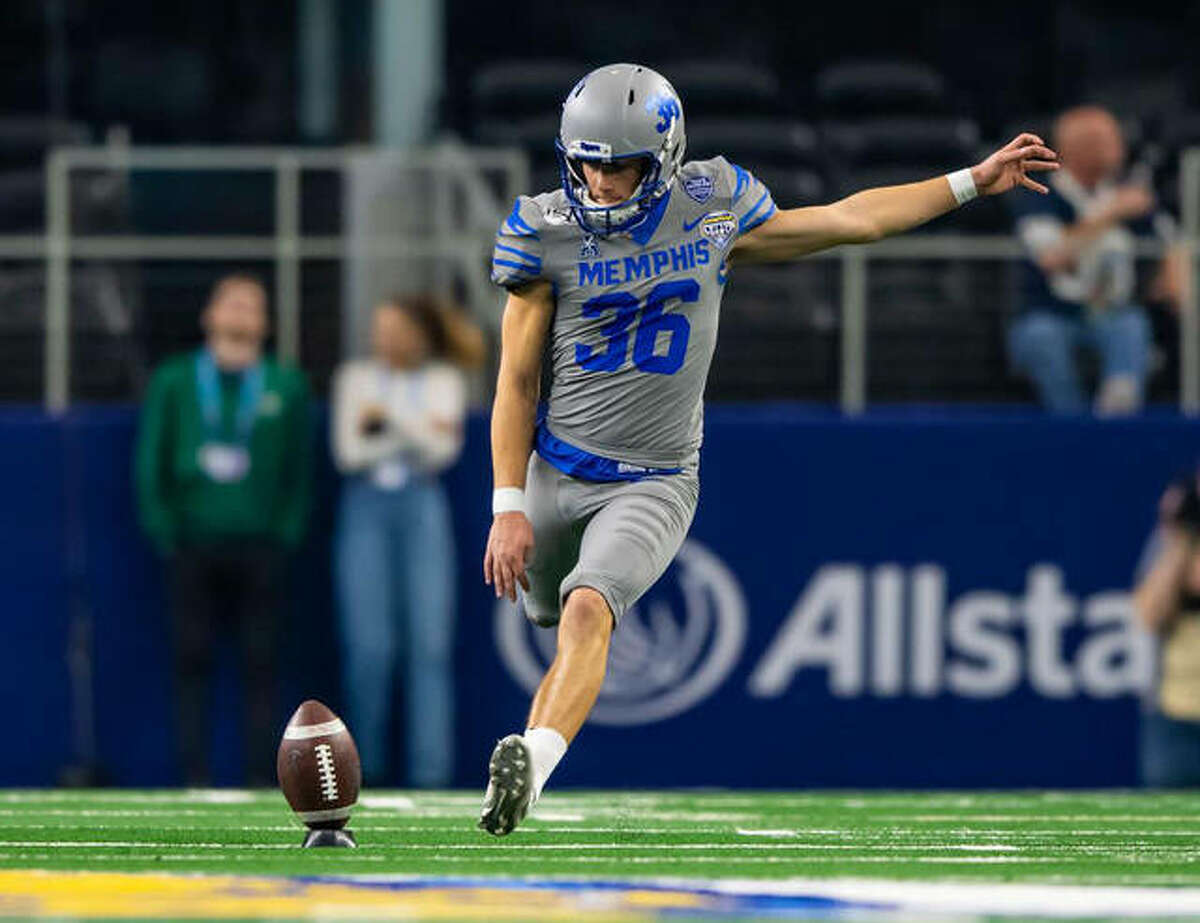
<point>1079,280</point>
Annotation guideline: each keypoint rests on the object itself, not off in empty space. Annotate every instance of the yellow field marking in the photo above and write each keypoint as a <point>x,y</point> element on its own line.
<point>84,895</point>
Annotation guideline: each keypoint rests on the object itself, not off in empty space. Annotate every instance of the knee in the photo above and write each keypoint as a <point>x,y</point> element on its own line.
<point>587,621</point>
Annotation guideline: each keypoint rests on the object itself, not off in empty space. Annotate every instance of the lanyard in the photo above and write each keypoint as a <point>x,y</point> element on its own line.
<point>208,387</point>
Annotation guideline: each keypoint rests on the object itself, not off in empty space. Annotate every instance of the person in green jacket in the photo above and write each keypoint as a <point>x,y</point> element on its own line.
<point>222,469</point>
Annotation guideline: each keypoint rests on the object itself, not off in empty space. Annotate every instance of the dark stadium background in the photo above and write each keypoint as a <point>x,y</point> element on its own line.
<point>763,75</point>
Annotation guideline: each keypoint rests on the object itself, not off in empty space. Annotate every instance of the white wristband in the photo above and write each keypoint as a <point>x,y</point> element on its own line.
<point>962,184</point>
<point>508,500</point>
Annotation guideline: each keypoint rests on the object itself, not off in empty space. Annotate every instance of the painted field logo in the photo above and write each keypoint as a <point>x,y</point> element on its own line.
<point>672,651</point>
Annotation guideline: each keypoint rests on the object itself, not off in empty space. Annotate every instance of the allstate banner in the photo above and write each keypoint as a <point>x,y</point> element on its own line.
<point>893,601</point>
<point>913,601</point>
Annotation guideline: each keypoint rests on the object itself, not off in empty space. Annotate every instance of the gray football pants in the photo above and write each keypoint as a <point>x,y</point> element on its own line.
<point>615,538</point>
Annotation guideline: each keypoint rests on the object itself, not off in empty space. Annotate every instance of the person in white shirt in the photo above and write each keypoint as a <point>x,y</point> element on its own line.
<point>397,424</point>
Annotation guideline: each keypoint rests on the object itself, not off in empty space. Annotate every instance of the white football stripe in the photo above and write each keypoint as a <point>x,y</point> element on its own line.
<point>308,731</point>
<point>325,814</point>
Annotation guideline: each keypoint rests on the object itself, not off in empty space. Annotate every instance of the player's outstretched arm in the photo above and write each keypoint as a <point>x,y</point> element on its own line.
<point>523,331</point>
<point>876,213</point>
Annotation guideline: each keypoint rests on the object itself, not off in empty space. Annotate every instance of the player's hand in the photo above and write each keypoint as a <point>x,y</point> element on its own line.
<point>1010,166</point>
<point>509,545</point>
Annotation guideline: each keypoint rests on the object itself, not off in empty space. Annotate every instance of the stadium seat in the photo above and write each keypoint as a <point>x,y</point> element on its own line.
<point>749,141</point>
<point>519,88</point>
<point>899,141</point>
<point>724,88</point>
<point>24,141</point>
<point>794,188</point>
<point>880,87</point>
<point>534,133</point>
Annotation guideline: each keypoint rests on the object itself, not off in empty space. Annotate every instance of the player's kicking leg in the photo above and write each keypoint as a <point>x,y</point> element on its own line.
<point>521,764</point>
<point>632,533</point>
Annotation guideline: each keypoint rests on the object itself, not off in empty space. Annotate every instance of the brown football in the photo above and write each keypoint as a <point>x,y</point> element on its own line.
<point>318,767</point>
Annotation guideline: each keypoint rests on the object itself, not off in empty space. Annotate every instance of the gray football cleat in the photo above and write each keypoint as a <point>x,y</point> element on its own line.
<point>510,787</point>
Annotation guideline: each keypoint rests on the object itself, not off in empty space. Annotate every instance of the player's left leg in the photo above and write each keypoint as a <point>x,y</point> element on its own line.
<point>634,531</point>
<point>521,763</point>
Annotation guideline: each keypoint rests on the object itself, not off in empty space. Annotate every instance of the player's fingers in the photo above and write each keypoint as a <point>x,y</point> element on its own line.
<point>1021,140</point>
<point>1032,184</point>
<point>487,567</point>
<point>1040,165</point>
<point>518,570</point>
<point>1027,152</point>
<point>501,575</point>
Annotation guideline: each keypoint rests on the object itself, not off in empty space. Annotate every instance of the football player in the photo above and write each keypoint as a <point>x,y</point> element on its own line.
<point>622,269</point>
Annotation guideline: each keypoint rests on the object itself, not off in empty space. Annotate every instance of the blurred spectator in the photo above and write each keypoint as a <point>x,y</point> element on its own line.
<point>223,469</point>
<point>1079,280</point>
<point>1167,602</point>
<point>398,423</point>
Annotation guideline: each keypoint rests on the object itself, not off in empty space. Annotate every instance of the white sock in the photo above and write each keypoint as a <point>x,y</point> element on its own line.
<point>546,748</point>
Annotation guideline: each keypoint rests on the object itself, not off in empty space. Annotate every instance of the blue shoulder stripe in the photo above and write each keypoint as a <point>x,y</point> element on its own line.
<point>518,225</point>
<point>531,257</point>
<point>524,267</point>
<point>749,221</point>
<point>742,229</point>
<point>743,180</point>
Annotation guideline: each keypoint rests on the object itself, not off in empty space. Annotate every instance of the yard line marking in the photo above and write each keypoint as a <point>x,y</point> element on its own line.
<point>767,833</point>
<point>519,847</point>
<point>388,802</point>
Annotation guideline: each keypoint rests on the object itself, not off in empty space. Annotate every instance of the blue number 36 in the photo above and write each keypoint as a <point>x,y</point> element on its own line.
<point>645,341</point>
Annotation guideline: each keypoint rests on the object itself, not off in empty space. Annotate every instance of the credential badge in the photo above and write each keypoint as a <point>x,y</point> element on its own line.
<point>699,188</point>
<point>719,227</point>
<point>589,249</point>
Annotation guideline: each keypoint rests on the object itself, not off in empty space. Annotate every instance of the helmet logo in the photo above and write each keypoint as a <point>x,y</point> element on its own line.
<point>667,108</point>
<point>590,149</point>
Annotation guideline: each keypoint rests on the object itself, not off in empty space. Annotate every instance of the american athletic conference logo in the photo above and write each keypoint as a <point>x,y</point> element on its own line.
<point>672,651</point>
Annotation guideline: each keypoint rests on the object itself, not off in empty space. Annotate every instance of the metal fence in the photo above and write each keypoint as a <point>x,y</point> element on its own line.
<point>485,181</point>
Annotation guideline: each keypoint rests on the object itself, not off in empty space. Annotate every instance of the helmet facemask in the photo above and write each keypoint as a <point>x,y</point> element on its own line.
<point>598,218</point>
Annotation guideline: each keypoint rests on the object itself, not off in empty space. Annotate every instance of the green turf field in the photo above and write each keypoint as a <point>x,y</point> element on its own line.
<point>769,844</point>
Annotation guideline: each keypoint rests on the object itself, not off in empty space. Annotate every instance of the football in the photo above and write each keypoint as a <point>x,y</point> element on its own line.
<point>318,767</point>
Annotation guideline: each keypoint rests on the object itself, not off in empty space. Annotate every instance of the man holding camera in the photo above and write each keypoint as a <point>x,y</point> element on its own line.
<point>1167,602</point>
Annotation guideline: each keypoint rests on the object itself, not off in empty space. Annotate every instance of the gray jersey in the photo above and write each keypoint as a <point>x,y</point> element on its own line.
<point>636,318</point>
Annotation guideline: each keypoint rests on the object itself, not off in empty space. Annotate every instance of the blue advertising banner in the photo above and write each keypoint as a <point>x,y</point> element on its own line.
<point>909,599</point>
<point>896,601</point>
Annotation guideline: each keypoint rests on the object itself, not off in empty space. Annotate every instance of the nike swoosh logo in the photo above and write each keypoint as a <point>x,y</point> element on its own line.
<point>687,227</point>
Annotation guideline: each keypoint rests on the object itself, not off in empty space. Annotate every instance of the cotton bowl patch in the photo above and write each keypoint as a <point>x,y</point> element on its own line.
<point>699,188</point>
<point>719,227</point>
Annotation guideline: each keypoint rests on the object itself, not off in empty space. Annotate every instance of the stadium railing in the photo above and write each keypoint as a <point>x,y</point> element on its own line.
<point>462,236</point>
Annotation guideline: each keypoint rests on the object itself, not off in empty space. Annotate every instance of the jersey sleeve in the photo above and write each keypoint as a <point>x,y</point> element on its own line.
<point>749,198</point>
<point>517,257</point>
